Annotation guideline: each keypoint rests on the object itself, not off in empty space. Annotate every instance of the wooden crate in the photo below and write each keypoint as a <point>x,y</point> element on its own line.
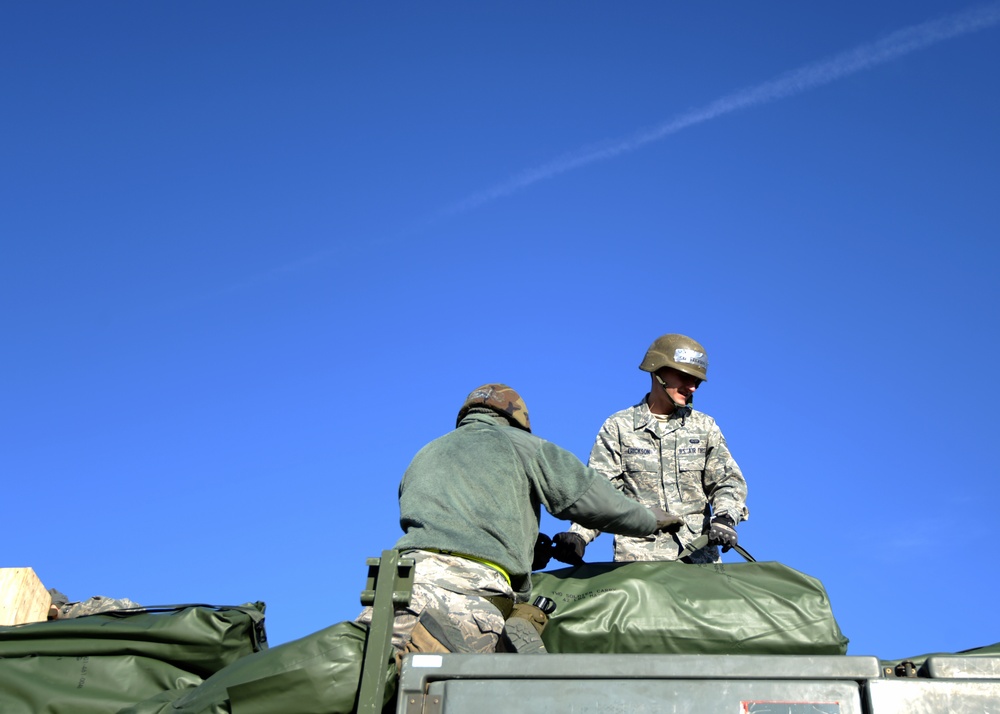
<point>23,598</point>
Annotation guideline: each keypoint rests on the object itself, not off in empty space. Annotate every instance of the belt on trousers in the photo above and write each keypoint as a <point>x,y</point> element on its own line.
<point>473,558</point>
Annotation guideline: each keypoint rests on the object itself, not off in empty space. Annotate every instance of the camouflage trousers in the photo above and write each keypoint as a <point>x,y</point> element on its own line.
<point>453,589</point>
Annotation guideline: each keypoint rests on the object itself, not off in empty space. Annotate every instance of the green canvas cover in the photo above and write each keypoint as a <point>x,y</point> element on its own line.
<point>317,674</point>
<point>84,685</point>
<point>103,662</point>
<point>677,608</point>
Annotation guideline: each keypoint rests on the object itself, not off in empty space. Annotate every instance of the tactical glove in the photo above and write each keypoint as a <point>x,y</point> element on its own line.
<point>568,547</point>
<point>666,521</point>
<point>543,552</point>
<point>722,532</point>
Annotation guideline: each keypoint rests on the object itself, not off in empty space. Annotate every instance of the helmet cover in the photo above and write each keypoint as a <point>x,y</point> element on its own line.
<point>501,399</point>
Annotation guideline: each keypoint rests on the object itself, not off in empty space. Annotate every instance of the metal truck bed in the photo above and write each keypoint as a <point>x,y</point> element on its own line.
<point>693,684</point>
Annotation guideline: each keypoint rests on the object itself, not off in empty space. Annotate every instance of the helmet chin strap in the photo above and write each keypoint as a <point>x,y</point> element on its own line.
<point>681,410</point>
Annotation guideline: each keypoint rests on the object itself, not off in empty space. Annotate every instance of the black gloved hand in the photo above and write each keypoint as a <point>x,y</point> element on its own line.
<point>543,552</point>
<point>666,521</point>
<point>722,532</point>
<point>568,547</point>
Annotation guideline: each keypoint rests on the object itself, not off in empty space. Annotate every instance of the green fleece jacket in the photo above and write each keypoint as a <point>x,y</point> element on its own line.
<point>478,490</point>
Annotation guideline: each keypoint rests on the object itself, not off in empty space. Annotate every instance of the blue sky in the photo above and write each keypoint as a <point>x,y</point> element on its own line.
<point>254,255</point>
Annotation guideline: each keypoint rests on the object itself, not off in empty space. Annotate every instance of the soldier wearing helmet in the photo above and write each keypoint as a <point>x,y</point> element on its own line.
<point>469,506</point>
<point>664,453</point>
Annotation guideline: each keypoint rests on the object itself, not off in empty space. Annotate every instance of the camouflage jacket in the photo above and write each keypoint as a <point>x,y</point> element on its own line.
<point>681,465</point>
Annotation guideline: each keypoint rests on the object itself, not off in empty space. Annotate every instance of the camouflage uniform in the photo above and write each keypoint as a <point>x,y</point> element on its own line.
<point>452,588</point>
<point>680,464</point>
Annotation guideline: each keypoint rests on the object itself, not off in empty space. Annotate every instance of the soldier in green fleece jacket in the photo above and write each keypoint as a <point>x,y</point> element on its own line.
<point>470,504</point>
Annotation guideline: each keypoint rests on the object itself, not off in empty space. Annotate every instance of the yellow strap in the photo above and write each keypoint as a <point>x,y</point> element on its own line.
<point>474,558</point>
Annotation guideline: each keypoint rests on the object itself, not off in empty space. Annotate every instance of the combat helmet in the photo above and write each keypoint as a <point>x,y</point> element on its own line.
<point>679,352</point>
<point>501,399</point>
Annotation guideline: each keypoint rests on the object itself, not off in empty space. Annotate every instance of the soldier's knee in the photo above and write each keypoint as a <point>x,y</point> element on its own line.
<point>434,634</point>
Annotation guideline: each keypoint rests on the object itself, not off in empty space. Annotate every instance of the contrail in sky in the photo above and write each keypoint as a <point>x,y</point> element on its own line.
<point>899,43</point>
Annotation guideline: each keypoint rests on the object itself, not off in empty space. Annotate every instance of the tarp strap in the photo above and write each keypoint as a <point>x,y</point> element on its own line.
<point>702,540</point>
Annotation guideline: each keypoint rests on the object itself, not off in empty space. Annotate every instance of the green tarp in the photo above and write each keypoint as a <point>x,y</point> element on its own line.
<point>85,684</point>
<point>677,608</point>
<point>317,674</point>
<point>193,659</point>
<point>101,663</point>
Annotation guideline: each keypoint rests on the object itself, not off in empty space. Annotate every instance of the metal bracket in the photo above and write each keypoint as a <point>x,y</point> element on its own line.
<point>423,704</point>
<point>390,583</point>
